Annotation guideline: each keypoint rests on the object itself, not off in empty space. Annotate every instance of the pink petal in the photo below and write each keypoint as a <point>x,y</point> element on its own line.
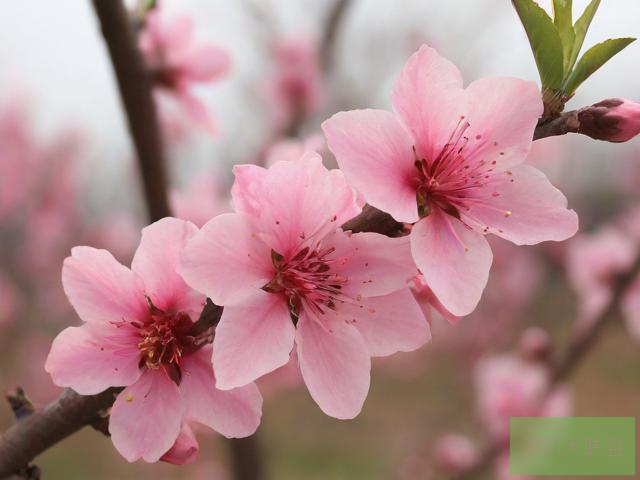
<point>390,323</point>
<point>226,260</point>
<point>246,192</point>
<point>100,289</point>
<point>233,413</point>
<point>196,110</point>
<point>454,260</point>
<point>146,418</point>
<point>205,63</point>
<point>252,340</point>
<point>521,205</point>
<point>503,112</point>
<point>185,450</point>
<point>92,358</point>
<point>335,364</point>
<point>372,263</point>
<point>376,155</point>
<point>429,99</point>
<point>156,261</point>
<point>303,201</point>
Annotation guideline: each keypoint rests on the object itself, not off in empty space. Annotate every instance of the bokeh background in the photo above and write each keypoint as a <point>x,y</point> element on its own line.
<point>68,177</point>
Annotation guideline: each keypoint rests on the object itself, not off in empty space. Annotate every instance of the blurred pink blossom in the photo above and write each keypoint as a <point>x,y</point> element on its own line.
<point>178,62</point>
<point>508,386</point>
<point>459,153</point>
<point>283,256</point>
<point>137,334</point>
<point>454,454</point>
<point>292,149</point>
<point>295,88</point>
<point>200,201</point>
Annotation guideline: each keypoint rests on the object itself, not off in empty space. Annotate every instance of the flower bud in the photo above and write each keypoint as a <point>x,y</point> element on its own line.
<point>613,120</point>
<point>455,453</point>
<point>535,344</point>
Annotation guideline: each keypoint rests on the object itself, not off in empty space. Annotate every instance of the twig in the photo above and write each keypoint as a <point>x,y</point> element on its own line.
<point>135,86</point>
<point>330,36</point>
<point>562,124</point>
<point>246,458</point>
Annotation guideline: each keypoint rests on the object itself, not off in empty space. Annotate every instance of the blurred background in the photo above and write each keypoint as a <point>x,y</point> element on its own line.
<point>68,177</point>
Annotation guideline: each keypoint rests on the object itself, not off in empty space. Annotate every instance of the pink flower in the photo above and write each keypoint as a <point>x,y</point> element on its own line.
<point>455,454</point>
<point>510,387</point>
<point>450,161</point>
<point>428,301</point>
<point>293,149</point>
<point>287,274</point>
<point>177,62</point>
<point>200,201</point>
<point>137,334</point>
<point>593,263</point>
<point>185,449</point>
<point>295,89</point>
<point>613,120</point>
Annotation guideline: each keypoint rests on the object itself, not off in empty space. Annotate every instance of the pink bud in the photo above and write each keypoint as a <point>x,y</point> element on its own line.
<point>455,453</point>
<point>535,344</point>
<point>613,120</point>
<point>185,450</point>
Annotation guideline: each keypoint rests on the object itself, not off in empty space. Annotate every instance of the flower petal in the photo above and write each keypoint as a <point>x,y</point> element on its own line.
<point>372,263</point>
<point>92,358</point>
<point>503,114</point>
<point>429,98</point>
<point>375,153</point>
<point>252,340</point>
<point>302,201</point>
<point>156,261</point>
<point>335,364</point>
<point>226,260</point>
<point>100,289</point>
<point>185,450</point>
<point>146,418</point>
<point>233,413</point>
<point>389,323</point>
<point>454,260</point>
<point>521,206</point>
<point>246,192</point>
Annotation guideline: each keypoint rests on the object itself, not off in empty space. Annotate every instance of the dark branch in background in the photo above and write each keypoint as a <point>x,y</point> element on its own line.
<point>581,344</point>
<point>330,35</point>
<point>136,89</point>
<point>246,459</point>
<point>327,53</point>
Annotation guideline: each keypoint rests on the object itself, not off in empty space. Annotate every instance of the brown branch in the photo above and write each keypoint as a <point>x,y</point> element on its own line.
<point>562,124</point>
<point>330,34</point>
<point>246,458</point>
<point>581,344</point>
<point>135,86</point>
<point>35,433</point>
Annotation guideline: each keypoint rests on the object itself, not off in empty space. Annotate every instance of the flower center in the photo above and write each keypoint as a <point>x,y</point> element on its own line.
<point>164,338</point>
<point>448,180</point>
<point>306,278</point>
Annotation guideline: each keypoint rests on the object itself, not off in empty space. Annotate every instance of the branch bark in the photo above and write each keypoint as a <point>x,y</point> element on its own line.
<point>136,93</point>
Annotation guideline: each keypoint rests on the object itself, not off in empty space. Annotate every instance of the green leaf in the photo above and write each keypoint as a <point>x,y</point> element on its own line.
<point>562,18</point>
<point>580,28</point>
<point>544,40</point>
<point>592,60</point>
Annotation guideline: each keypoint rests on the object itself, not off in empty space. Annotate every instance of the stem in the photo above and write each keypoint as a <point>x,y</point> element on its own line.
<point>136,93</point>
<point>246,458</point>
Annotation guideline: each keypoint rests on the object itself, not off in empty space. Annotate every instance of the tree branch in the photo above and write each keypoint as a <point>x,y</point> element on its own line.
<point>136,89</point>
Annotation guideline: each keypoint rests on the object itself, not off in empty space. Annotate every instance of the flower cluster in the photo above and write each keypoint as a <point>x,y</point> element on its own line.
<point>291,281</point>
